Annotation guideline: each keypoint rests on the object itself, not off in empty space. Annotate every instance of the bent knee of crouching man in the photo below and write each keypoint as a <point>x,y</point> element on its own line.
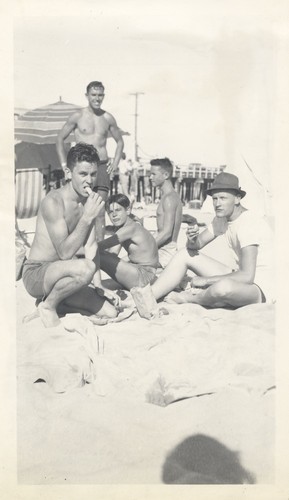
<point>84,270</point>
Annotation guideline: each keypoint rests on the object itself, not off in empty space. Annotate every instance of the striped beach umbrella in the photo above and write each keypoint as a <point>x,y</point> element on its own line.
<point>42,125</point>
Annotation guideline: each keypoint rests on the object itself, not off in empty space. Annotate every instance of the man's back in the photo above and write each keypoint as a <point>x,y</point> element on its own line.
<point>172,201</point>
<point>141,247</point>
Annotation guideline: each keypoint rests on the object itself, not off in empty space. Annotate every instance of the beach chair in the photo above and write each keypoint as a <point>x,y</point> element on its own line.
<point>31,185</point>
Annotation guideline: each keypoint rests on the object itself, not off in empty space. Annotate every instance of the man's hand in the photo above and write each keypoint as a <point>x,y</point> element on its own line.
<point>109,295</point>
<point>93,206</point>
<point>112,297</point>
<point>199,282</point>
<point>192,232</point>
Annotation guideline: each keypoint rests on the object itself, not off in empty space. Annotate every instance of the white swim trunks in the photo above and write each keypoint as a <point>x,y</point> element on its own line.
<point>166,253</point>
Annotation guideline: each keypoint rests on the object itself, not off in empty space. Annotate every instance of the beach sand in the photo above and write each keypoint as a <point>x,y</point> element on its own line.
<point>187,398</point>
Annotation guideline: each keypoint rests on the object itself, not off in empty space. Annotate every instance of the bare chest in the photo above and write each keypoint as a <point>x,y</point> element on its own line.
<point>72,214</point>
<point>160,210</point>
<point>90,124</point>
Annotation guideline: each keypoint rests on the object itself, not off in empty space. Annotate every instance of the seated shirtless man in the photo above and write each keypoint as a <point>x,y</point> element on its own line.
<point>169,211</point>
<point>65,219</point>
<point>139,268</point>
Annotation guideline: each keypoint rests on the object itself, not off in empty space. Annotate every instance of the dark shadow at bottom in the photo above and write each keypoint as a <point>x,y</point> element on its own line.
<point>201,459</point>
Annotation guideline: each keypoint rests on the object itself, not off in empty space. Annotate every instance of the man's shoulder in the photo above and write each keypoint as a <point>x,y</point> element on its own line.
<point>142,232</point>
<point>53,200</point>
<point>108,117</point>
<point>171,197</point>
<point>74,117</point>
<point>254,222</point>
<point>249,217</point>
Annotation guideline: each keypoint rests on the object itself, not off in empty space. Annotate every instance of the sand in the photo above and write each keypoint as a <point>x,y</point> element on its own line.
<point>187,398</point>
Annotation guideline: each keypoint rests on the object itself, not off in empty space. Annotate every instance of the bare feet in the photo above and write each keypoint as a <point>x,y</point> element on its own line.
<point>48,316</point>
<point>97,320</point>
<point>30,317</point>
<point>183,297</point>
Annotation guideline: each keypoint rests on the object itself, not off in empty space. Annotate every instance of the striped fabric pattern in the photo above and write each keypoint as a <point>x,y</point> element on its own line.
<point>30,190</point>
<point>41,126</point>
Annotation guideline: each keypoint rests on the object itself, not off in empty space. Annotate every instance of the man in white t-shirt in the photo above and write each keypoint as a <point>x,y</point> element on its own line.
<point>215,284</point>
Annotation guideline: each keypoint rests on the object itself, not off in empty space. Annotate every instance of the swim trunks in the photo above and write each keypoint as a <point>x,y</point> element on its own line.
<point>146,274</point>
<point>263,297</point>
<point>103,178</point>
<point>166,253</point>
<point>33,277</point>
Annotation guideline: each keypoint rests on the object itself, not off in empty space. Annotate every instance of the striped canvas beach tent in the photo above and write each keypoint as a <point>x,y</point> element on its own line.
<point>30,187</point>
<point>41,125</point>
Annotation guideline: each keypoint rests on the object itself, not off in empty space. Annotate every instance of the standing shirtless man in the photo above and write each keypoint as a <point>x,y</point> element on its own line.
<point>169,211</point>
<point>92,125</point>
<point>65,219</point>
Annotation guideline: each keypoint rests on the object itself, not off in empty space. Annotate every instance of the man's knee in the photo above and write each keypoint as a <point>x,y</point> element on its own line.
<point>182,254</point>
<point>185,256</point>
<point>85,270</point>
<point>223,288</point>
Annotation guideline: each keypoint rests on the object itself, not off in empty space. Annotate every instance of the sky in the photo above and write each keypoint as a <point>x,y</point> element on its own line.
<point>208,76</point>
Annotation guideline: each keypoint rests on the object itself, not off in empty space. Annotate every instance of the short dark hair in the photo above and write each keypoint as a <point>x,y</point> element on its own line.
<point>94,84</point>
<point>81,152</point>
<point>164,163</point>
<point>119,198</point>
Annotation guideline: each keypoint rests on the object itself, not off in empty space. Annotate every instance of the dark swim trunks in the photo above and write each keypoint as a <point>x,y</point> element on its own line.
<point>146,274</point>
<point>263,298</point>
<point>33,277</point>
<point>103,178</point>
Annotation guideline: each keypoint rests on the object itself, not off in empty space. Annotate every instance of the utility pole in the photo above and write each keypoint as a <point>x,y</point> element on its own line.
<point>136,94</point>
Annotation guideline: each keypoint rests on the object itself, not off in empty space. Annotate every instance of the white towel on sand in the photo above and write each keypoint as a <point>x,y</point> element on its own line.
<point>190,352</point>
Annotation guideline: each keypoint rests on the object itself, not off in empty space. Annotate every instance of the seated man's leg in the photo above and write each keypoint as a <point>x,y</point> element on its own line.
<point>228,292</point>
<point>177,268</point>
<point>224,293</point>
<point>123,272</point>
<point>87,302</point>
<point>62,279</point>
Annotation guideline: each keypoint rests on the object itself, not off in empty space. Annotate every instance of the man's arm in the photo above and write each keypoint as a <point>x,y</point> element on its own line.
<point>245,273</point>
<point>101,290</point>
<point>165,234</point>
<point>116,134</point>
<point>197,240</point>
<point>67,128</point>
<point>65,244</point>
<point>90,245</point>
<point>123,234</point>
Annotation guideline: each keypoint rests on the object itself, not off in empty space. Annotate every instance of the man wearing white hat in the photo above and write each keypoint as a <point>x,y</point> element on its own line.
<point>215,284</point>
